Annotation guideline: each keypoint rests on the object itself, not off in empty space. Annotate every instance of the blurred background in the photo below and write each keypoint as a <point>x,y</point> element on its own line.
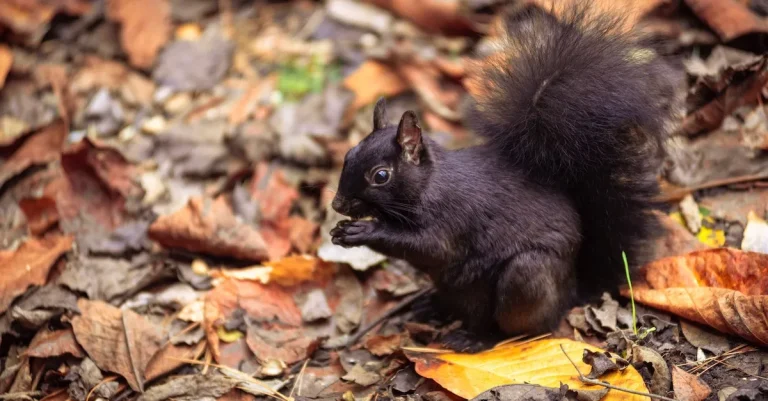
<point>151,148</point>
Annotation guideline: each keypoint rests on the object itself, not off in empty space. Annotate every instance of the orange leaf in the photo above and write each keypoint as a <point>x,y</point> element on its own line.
<point>726,289</point>
<point>40,212</point>
<point>145,28</point>
<point>29,265</point>
<point>51,343</point>
<point>6,60</point>
<point>746,272</point>
<point>432,15</point>
<point>293,270</point>
<point>728,18</point>
<point>209,227</point>
<point>539,362</point>
<point>372,80</point>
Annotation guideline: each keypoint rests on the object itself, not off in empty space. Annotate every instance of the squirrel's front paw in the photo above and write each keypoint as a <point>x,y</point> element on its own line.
<point>350,233</point>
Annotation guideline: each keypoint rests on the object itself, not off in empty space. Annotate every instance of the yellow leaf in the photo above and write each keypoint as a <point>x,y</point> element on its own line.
<point>228,336</point>
<point>539,362</point>
<point>710,236</point>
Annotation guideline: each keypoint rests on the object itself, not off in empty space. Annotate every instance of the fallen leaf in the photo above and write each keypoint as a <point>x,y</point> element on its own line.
<point>302,233</point>
<point>194,65</point>
<point>274,323</point>
<point>119,341</point>
<point>383,345</point>
<point>540,362</point>
<point>293,270</point>
<point>6,60</point>
<point>363,377</point>
<point>444,16</point>
<point>31,17</point>
<point>51,343</point>
<point>41,213</point>
<point>531,392</point>
<point>171,357</point>
<point>728,18</point>
<point>370,81</point>
<point>661,379</point>
<point>274,195</point>
<point>209,227</point>
<point>86,377</point>
<point>688,387</point>
<point>725,310</point>
<point>704,339</point>
<point>602,363</point>
<point>100,73</point>
<point>29,265</point>
<point>746,272</point>
<point>142,32</point>
<point>41,147</point>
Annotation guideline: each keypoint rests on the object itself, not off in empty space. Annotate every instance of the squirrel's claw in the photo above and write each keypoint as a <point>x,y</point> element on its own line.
<point>352,233</point>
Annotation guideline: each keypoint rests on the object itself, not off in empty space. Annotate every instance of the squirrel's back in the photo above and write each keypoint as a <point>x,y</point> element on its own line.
<point>577,105</point>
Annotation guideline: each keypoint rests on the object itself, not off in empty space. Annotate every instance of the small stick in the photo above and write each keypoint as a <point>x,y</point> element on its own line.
<point>402,305</point>
<point>586,380</point>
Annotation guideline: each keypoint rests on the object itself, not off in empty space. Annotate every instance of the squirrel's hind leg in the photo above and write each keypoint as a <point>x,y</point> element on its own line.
<point>534,291</point>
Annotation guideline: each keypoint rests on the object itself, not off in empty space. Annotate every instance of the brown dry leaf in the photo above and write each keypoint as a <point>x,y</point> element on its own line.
<point>41,147</point>
<point>6,61</point>
<point>41,213</point>
<point>728,18</point>
<point>676,241</point>
<point>274,331</point>
<point>384,345</point>
<point>51,343</point>
<point>443,16</point>
<point>273,193</point>
<point>539,362</point>
<point>209,227</point>
<point>27,16</point>
<point>372,80</point>
<point>688,387</point>
<point>145,27</point>
<point>93,186</point>
<point>630,10</point>
<point>119,341</point>
<point>170,358</point>
<point>57,77</point>
<point>97,73</point>
<point>29,265</point>
<point>302,233</point>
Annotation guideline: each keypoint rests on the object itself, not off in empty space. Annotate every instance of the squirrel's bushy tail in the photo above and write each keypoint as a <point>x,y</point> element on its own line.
<point>578,105</point>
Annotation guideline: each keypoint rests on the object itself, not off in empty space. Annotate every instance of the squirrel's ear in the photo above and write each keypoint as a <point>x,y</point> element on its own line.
<point>380,114</point>
<point>409,138</point>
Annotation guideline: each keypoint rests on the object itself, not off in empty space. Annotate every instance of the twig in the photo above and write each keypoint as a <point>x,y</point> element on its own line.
<point>594,382</point>
<point>402,305</point>
<point>680,193</point>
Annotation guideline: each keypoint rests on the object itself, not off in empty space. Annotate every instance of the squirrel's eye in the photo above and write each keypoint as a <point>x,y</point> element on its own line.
<point>381,176</point>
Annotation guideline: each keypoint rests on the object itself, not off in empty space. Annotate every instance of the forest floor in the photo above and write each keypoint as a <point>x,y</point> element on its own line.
<point>166,168</point>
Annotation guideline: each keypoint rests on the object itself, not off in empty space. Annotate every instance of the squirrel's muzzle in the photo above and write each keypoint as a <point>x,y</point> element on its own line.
<point>347,206</point>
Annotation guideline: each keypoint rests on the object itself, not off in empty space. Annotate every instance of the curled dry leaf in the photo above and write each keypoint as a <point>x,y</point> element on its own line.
<point>119,341</point>
<point>6,60</point>
<point>51,343</point>
<point>29,265</point>
<point>688,387</point>
<point>142,32</point>
<point>722,288</point>
<point>728,18</point>
<point>41,147</point>
<point>539,362</point>
<point>209,227</point>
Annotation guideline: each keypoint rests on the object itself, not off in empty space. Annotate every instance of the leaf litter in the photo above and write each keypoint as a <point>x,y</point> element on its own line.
<point>165,174</point>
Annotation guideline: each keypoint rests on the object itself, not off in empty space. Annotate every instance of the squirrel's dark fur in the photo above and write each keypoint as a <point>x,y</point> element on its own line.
<point>517,229</point>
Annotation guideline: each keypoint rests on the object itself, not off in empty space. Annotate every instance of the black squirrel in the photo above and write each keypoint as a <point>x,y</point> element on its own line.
<point>517,229</point>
